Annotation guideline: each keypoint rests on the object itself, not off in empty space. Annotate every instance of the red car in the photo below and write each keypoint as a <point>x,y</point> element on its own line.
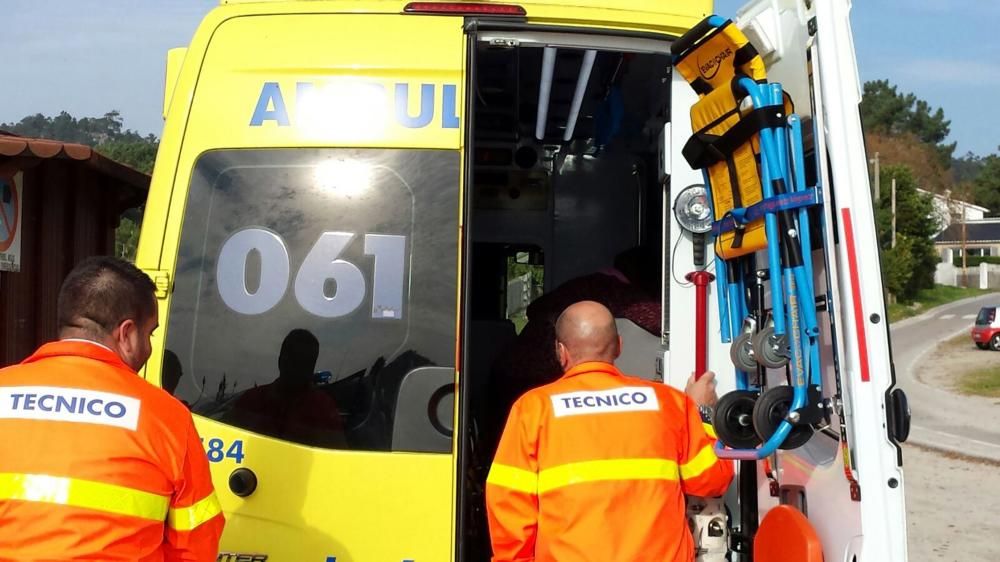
<point>986,332</point>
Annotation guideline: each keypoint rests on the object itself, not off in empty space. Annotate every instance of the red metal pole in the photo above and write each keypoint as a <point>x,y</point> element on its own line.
<point>701,279</point>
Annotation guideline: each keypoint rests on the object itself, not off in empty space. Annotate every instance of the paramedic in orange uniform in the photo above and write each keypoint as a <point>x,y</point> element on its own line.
<point>595,466</point>
<point>96,463</point>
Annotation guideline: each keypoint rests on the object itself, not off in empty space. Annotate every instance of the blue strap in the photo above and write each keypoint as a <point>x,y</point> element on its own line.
<point>737,218</point>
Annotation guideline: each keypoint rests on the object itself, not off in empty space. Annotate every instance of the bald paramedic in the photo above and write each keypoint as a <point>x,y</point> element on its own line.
<point>595,466</point>
<point>96,463</point>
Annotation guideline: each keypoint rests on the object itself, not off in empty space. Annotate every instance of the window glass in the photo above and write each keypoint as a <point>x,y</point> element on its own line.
<point>985,316</point>
<point>525,283</point>
<point>311,287</point>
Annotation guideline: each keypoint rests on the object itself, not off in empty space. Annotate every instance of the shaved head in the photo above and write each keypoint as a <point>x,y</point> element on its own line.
<point>586,331</point>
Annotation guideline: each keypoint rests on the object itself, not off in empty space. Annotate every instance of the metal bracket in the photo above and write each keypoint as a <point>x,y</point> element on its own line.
<point>161,279</point>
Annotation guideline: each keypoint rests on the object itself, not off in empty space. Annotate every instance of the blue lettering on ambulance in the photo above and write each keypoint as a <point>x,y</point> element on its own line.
<point>270,96</point>
<point>449,110</point>
<point>271,105</point>
<point>426,106</point>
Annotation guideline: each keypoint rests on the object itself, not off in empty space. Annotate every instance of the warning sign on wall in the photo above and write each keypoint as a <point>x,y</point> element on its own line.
<point>10,222</point>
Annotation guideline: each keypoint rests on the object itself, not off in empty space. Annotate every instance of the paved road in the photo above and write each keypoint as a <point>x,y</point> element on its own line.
<point>942,419</point>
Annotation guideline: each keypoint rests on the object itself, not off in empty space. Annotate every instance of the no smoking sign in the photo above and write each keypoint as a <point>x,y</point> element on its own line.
<point>10,222</point>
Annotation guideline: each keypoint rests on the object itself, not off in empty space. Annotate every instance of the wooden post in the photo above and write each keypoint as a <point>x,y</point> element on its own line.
<point>893,212</point>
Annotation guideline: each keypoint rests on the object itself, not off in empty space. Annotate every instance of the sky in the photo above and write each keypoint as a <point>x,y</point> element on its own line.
<point>90,56</point>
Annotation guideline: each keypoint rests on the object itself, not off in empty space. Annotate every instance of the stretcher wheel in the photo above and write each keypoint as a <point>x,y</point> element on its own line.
<point>733,419</point>
<point>771,409</point>
<point>742,353</point>
<point>770,349</point>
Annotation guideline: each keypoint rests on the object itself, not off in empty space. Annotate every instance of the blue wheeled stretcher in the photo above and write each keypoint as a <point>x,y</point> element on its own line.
<point>748,142</point>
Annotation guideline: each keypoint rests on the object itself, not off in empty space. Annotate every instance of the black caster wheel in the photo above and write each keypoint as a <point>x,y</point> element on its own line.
<point>741,353</point>
<point>770,349</point>
<point>770,410</point>
<point>733,419</point>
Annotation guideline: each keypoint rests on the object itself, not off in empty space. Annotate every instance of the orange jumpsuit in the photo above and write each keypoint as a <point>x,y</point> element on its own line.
<point>595,466</point>
<point>97,464</point>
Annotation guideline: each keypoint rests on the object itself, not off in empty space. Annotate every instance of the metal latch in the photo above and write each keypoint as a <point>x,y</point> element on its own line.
<point>503,42</point>
<point>161,279</point>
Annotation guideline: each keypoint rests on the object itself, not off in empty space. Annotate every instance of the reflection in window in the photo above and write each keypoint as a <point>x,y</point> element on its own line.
<point>309,285</point>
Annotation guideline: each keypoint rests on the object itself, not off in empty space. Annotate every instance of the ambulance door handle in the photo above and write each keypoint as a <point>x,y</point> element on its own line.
<point>242,482</point>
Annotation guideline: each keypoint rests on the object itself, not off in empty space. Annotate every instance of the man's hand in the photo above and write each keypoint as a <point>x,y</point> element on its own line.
<point>702,391</point>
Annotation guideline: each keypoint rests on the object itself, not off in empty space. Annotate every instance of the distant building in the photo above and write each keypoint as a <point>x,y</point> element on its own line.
<point>948,209</point>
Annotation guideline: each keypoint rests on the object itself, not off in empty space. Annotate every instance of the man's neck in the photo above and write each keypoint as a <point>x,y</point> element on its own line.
<point>78,338</point>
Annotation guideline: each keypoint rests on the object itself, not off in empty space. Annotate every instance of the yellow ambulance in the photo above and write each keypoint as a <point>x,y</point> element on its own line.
<point>354,202</point>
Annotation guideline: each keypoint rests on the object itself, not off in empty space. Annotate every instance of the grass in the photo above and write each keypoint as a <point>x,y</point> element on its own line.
<point>929,298</point>
<point>520,321</point>
<point>981,382</point>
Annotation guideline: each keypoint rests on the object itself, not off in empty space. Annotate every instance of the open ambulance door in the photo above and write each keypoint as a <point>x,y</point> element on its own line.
<point>305,210</point>
<point>847,478</point>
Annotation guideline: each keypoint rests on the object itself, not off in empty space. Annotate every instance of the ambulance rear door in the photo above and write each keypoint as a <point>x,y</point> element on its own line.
<point>305,209</point>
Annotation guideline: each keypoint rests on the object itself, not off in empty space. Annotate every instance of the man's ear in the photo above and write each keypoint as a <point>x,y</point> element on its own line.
<point>618,350</point>
<point>561,354</point>
<point>122,334</point>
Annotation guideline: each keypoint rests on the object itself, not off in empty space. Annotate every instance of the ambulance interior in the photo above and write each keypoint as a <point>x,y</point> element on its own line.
<point>565,178</point>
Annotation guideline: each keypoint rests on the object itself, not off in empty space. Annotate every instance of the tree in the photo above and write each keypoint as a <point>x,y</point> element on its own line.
<point>126,239</point>
<point>986,185</point>
<point>909,266</point>
<point>108,135</point>
<point>907,150</point>
<point>966,168</point>
<point>885,110</point>
<point>897,264</point>
<point>138,154</point>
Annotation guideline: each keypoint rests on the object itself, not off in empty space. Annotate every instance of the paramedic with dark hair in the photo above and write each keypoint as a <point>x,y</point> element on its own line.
<point>96,463</point>
<point>595,466</point>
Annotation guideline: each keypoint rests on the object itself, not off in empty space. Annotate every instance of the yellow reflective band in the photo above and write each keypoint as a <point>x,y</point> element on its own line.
<point>611,469</point>
<point>86,494</point>
<point>709,430</point>
<point>703,461</point>
<point>514,478</point>
<point>189,518</point>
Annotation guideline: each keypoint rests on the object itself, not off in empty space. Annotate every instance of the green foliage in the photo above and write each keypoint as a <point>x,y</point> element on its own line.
<point>909,267</point>
<point>515,269</point>
<point>981,382</point>
<point>138,154</point>
<point>885,110</point>
<point>966,168</point>
<point>91,131</point>
<point>986,185</point>
<point>926,299</point>
<point>974,261</point>
<point>126,239</point>
<point>897,264</point>
<point>108,135</point>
